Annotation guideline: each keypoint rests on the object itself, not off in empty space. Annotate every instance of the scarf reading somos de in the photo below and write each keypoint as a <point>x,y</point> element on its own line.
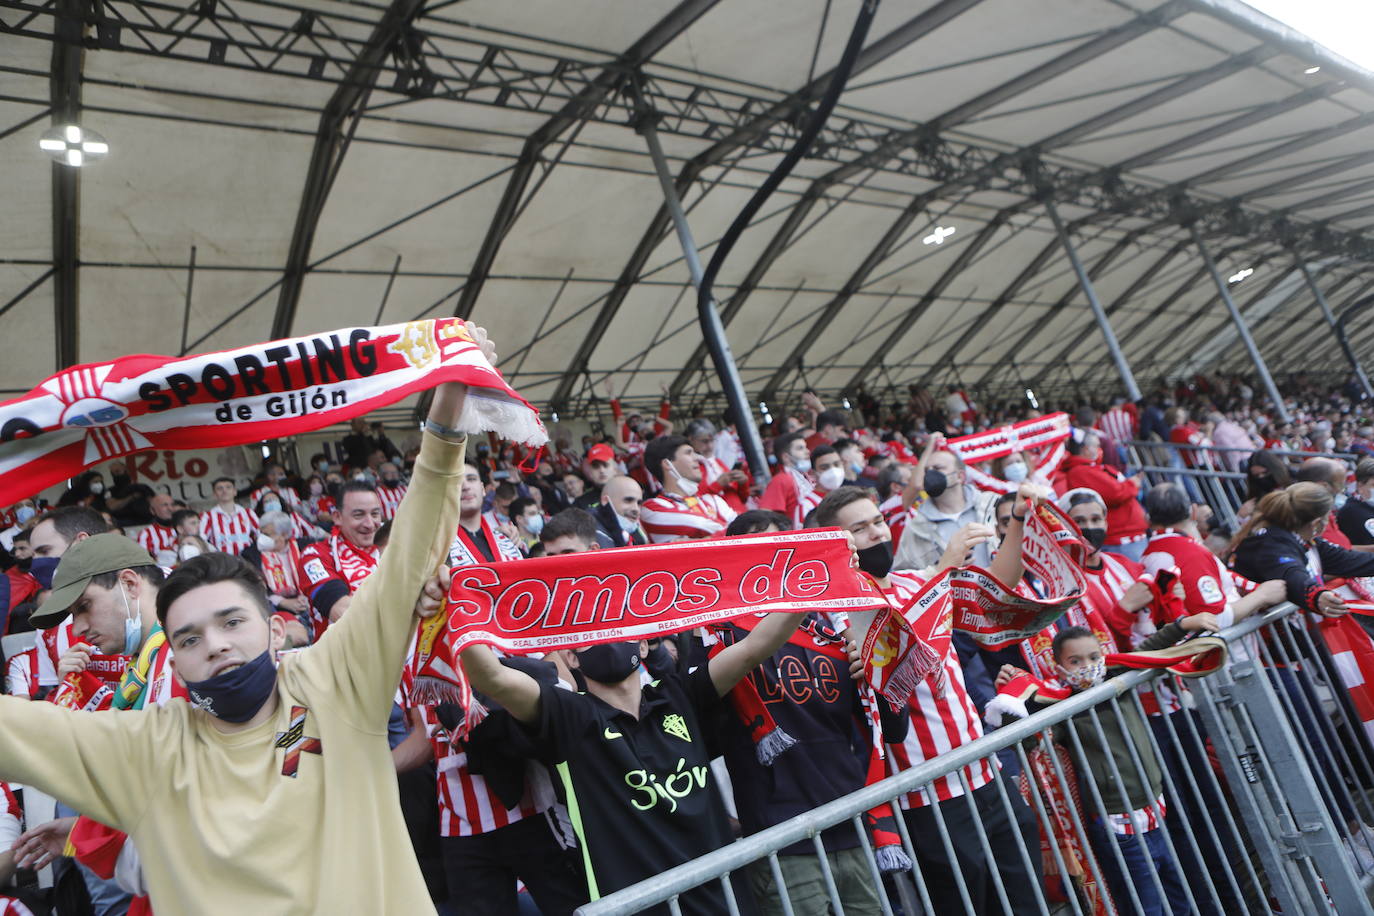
<point>92,413</point>
<point>626,593</point>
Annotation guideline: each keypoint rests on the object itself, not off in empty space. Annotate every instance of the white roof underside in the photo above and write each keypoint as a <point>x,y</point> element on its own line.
<point>211,149</point>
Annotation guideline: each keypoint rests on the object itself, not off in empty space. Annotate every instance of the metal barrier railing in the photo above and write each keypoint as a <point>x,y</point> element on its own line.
<point>1280,823</point>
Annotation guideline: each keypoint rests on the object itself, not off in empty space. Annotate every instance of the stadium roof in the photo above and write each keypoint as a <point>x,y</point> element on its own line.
<point>278,167</point>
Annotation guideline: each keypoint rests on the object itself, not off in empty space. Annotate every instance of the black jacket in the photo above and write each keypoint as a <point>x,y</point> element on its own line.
<point>1273,553</point>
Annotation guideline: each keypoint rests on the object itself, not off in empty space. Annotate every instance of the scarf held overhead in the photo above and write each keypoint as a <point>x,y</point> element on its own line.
<point>92,413</point>
<point>1042,437</point>
<point>903,647</point>
<point>630,593</point>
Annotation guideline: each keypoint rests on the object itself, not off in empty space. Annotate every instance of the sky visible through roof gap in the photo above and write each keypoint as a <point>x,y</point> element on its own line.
<point>1344,26</point>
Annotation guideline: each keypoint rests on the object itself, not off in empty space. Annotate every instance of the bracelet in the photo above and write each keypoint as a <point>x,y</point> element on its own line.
<point>448,434</point>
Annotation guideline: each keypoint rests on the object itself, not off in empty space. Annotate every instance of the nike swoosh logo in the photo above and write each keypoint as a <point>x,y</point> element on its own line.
<point>608,734</point>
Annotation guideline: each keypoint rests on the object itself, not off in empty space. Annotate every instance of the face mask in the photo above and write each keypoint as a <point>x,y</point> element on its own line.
<point>831,478</point>
<point>390,483</point>
<point>97,488</point>
<point>271,507</point>
<point>803,465</point>
<point>935,482</point>
<point>23,514</point>
<point>188,551</point>
<point>1014,472</point>
<point>43,568</point>
<point>1094,536</point>
<point>266,542</point>
<point>534,524</point>
<point>237,695</point>
<point>688,487</point>
<point>321,466</point>
<point>610,662</point>
<point>876,560</point>
<point>1084,677</point>
<point>627,525</point>
<point>133,626</point>
<point>1340,500</point>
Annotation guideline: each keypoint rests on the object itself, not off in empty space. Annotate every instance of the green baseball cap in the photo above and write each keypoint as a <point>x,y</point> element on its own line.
<point>85,559</point>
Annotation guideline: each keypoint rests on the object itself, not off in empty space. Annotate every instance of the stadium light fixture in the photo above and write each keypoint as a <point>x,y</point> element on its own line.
<point>554,415</point>
<point>939,235</point>
<point>1311,70</point>
<point>1030,396</point>
<point>1240,275</point>
<point>845,402</point>
<point>70,144</point>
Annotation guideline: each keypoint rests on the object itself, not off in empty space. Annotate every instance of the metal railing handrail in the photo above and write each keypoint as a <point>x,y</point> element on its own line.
<point>1192,472</point>
<point>1151,443</point>
<point>804,826</point>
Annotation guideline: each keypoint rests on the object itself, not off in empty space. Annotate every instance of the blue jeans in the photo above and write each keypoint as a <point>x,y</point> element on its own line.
<point>1138,870</point>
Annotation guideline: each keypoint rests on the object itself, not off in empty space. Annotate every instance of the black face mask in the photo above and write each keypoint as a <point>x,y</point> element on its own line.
<point>935,482</point>
<point>876,560</point>
<point>1262,486</point>
<point>609,662</point>
<point>1094,536</point>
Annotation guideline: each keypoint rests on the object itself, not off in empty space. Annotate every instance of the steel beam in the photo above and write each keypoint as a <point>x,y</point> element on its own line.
<point>612,79</point>
<point>1275,346</point>
<point>338,121</point>
<point>1336,329</point>
<point>1297,144</point>
<point>1103,324</point>
<point>1296,181</point>
<point>1185,344</point>
<point>981,321</point>
<point>907,321</point>
<point>1241,328</point>
<point>1290,357</point>
<point>65,92</point>
<point>1098,269</point>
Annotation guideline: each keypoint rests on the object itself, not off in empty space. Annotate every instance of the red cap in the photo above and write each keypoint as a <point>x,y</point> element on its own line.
<point>601,452</point>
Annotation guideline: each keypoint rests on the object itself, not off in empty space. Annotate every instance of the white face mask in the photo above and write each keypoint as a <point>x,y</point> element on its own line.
<point>1014,472</point>
<point>1085,677</point>
<point>688,487</point>
<point>266,542</point>
<point>803,464</point>
<point>831,478</point>
<point>187,551</point>
<point>97,487</point>
<point>133,624</point>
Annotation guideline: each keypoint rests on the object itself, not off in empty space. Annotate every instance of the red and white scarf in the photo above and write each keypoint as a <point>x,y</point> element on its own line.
<point>88,414</point>
<point>280,572</point>
<point>1043,437</point>
<point>353,563</point>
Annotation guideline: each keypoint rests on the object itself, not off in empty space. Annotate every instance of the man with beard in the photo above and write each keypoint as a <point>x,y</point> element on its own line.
<point>276,760</point>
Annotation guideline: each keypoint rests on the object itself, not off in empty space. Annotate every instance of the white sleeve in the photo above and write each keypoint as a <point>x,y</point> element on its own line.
<point>128,870</point>
<point>1156,561</point>
<point>9,829</point>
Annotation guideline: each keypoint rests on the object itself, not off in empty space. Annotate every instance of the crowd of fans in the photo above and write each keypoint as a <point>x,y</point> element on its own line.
<point>525,810</point>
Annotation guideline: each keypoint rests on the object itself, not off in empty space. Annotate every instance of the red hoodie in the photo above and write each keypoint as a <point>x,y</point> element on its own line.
<point>1125,516</point>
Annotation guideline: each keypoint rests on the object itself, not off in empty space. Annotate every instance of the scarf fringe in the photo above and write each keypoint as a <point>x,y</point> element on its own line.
<point>772,746</point>
<point>489,410</point>
<point>431,691</point>
<point>892,859</point>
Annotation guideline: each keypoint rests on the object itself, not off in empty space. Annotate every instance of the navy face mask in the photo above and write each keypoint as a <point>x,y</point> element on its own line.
<point>42,569</point>
<point>237,695</point>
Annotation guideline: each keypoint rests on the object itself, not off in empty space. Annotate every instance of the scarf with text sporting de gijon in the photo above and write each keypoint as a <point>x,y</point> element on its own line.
<point>88,414</point>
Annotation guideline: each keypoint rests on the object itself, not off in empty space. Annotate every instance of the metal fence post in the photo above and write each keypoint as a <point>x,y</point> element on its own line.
<point>1330,320</point>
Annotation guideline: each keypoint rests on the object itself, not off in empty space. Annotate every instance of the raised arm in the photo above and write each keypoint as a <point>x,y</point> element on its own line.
<point>731,664</point>
<point>917,486</point>
<point>1006,566</point>
<point>363,653</point>
<point>513,689</point>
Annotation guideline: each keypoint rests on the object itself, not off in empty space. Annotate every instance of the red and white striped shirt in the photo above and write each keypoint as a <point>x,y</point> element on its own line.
<point>21,674</point>
<point>669,517</point>
<point>896,515</point>
<point>229,531</point>
<point>156,538</point>
<point>391,499</point>
<point>941,720</point>
<point>1106,586</point>
<point>1118,424</point>
<point>52,643</point>
<point>335,558</point>
<point>467,805</point>
<point>792,493</point>
<point>11,825</point>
